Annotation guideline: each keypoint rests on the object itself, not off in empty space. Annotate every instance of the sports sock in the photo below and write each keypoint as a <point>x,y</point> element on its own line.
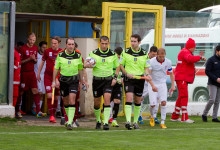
<point>36,98</point>
<point>128,112</point>
<point>71,113</point>
<point>106,112</point>
<point>111,109</point>
<point>152,110</point>
<point>137,108</point>
<point>115,110</point>
<point>97,114</point>
<point>50,107</point>
<point>163,114</point>
<point>66,109</point>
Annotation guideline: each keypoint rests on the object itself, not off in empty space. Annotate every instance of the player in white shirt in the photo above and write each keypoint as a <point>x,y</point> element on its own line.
<point>41,87</point>
<point>159,68</point>
<point>152,53</point>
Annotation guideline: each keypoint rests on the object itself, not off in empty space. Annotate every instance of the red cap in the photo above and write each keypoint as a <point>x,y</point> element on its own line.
<point>190,44</point>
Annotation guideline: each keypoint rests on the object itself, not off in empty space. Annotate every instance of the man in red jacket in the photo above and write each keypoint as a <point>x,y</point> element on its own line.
<point>184,75</point>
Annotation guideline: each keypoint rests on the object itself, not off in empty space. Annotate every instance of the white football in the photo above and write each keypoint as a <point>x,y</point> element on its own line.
<point>90,60</point>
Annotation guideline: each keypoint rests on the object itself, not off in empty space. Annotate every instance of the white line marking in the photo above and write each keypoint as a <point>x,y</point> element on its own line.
<point>14,133</point>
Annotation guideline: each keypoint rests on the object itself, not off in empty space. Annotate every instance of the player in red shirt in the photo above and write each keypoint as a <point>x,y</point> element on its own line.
<point>184,75</point>
<point>49,57</point>
<point>28,77</point>
<point>16,83</point>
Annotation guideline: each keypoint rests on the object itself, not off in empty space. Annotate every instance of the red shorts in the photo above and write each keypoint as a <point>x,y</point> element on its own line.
<point>47,83</point>
<point>28,80</point>
<point>15,90</point>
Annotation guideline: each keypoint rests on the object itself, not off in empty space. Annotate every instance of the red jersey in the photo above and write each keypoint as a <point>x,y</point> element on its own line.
<point>185,68</point>
<point>49,57</point>
<point>17,67</point>
<point>25,53</point>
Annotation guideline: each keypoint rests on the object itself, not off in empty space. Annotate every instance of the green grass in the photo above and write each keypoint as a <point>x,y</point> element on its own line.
<point>177,136</point>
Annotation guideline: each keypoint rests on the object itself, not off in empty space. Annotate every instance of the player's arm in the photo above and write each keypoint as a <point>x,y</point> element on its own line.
<point>154,88</point>
<point>26,60</point>
<point>147,74</point>
<point>85,79</point>
<point>172,88</point>
<point>39,70</point>
<point>55,71</point>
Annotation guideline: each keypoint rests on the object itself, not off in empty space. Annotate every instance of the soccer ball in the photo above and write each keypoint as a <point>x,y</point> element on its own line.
<point>91,60</point>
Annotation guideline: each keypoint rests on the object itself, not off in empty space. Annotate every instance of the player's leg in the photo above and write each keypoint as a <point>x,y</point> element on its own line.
<point>212,97</point>
<point>145,93</point>
<point>176,113</point>
<point>129,89</point>
<point>97,93</point>
<point>153,102</point>
<point>116,95</point>
<point>107,96</point>
<point>162,90</point>
<point>138,92</point>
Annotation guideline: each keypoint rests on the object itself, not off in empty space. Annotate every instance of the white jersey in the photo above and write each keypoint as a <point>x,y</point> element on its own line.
<point>159,70</point>
<point>40,84</point>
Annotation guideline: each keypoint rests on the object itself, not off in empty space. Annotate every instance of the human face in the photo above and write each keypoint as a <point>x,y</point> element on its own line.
<point>152,54</point>
<point>54,44</point>
<point>31,40</point>
<point>192,49</point>
<point>70,46</point>
<point>217,53</point>
<point>42,48</point>
<point>104,45</point>
<point>161,56</point>
<point>134,43</point>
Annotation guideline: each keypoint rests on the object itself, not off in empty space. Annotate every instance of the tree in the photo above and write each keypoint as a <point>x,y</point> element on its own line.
<point>94,7</point>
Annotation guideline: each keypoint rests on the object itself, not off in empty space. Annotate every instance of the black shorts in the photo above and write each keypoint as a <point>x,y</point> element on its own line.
<point>116,92</point>
<point>101,85</point>
<point>68,85</point>
<point>135,86</point>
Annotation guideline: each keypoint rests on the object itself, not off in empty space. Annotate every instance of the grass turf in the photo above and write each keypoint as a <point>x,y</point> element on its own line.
<point>177,136</point>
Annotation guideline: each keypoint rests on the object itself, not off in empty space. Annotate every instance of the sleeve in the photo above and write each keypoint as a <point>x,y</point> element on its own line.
<point>16,63</point>
<point>188,57</point>
<point>80,66</point>
<point>208,70</point>
<point>44,57</point>
<point>116,62</point>
<point>57,62</point>
<point>123,58</point>
<point>148,62</point>
<point>147,65</point>
<point>170,69</point>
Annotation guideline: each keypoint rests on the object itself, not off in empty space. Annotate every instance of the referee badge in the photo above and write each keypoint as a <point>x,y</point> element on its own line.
<point>135,59</point>
<point>103,60</point>
<point>69,61</point>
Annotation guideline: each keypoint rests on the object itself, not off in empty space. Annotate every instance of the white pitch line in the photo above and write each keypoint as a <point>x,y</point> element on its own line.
<point>17,133</point>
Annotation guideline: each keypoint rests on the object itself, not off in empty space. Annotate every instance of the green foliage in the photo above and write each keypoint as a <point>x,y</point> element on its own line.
<point>94,7</point>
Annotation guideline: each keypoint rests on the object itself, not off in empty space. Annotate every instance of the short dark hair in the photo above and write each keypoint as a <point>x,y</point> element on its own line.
<point>20,43</point>
<point>137,36</point>
<point>104,38</point>
<point>153,49</point>
<point>217,48</point>
<point>70,38</point>
<point>57,38</point>
<point>42,43</point>
<point>118,50</point>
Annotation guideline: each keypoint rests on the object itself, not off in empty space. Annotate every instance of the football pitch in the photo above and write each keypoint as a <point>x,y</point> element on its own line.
<point>178,136</point>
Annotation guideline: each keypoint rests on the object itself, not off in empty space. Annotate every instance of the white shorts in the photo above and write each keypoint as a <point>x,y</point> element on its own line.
<point>161,95</point>
<point>41,87</point>
<point>145,91</point>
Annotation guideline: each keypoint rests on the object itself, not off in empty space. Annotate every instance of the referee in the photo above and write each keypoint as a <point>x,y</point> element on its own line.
<point>70,65</point>
<point>103,78</point>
